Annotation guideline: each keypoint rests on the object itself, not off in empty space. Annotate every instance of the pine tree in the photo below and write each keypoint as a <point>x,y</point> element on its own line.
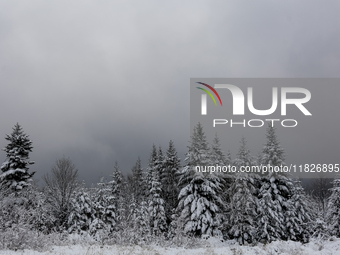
<point>228,158</point>
<point>143,220</point>
<point>242,199</point>
<point>270,221</point>
<point>244,157</point>
<point>116,182</point>
<point>298,217</point>
<point>105,207</point>
<point>15,175</point>
<point>152,166</point>
<point>138,219</point>
<point>170,180</point>
<point>333,209</point>
<point>138,185</point>
<point>159,163</point>
<point>217,155</point>
<point>199,198</point>
<point>83,213</point>
<point>116,190</point>
<point>156,206</point>
<point>242,209</point>
<point>228,179</point>
<point>275,191</point>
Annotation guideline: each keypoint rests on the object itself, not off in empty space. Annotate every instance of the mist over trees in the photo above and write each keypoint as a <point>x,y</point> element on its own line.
<point>166,199</point>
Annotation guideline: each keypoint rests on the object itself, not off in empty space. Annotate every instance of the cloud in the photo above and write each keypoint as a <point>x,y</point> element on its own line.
<point>103,80</point>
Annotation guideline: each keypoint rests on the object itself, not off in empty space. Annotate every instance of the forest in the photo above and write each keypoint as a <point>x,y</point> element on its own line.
<point>166,203</point>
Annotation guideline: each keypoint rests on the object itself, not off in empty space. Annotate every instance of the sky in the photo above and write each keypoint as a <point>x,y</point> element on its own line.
<point>100,81</point>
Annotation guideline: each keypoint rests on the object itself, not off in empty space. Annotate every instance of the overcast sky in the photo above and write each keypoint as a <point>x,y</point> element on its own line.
<point>100,81</point>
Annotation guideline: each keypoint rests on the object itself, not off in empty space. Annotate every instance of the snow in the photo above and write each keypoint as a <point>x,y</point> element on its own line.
<point>210,246</point>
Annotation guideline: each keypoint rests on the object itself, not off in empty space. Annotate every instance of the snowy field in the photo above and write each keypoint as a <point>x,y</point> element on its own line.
<point>215,247</point>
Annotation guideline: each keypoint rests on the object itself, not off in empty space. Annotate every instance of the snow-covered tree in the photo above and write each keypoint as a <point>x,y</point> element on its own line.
<point>333,209</point>
<point>242,209</point>
<point>228,179</point>
<point>116,182</point>
<point>138,184</point>
<point>116,191</point>
<point>60,189</point>
<point>228,158</point>
<point>142,220</point>
<point>156,205</point>
<point>104,206</point>
<point>132,211</point>
<point>244,157</point>
<point>139,219</point>
<point>159,163</point>
<point>15,175</point>
<point>298,215</point>
<point>217,155</point>
<point>83,212</point>
<point>275,191</point>
<point>242,206</point>
<point>148,175</point>
<point>169,180</point>
<point>270,216</point>
<point>199,198</point>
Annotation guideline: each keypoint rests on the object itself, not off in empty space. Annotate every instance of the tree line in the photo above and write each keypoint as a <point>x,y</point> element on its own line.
<point>167,199</point>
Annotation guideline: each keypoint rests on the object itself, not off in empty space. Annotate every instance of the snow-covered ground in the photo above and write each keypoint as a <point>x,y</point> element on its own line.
<point>215,247</point>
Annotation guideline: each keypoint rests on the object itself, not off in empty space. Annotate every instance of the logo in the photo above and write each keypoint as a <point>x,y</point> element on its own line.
<point>204,97</point>
<point>280,98</point>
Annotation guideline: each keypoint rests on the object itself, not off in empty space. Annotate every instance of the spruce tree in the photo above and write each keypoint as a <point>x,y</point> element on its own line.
<point>116,190</point>
<point>152,166</point>
<point>275,191</point>
<point>217,155</point>
<point>272,152</point>
<point>169,181</point>
<point>156,206</point>
<point>298,215</point>
<point>15,175</point>
<point>83,212</point>
<point>116,182</point>
<point>143,220</point>
<point>333,209</point>
<point>104,206</point>
<point>138,184</point>
<point>199,198</point>
<point>243,201</point>
<point>159,163</point>
<point>270,217</point>
<point>242,209</point>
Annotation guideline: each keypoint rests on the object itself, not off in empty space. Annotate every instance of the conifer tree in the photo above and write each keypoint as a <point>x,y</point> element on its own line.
<point>104,206</point>
<point>156,205</point>
<point>199,198</point>
<point>217,155</point>
<point>333,209</point>
<point>170,180</point>
<point>275,190</point>
<point>244,157</point>
<point>242,199</point>
<point>116,191</point>
<point>298,215</point>
<point>116,182</point>
<point>83,213</point>
<point>138,184</point>
<point>159,163</point>
<point>15,175</point>
<point>152,166</point>
<point>143,220</point>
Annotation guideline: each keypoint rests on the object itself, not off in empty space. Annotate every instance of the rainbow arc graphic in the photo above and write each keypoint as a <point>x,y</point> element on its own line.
<point>209,93</point>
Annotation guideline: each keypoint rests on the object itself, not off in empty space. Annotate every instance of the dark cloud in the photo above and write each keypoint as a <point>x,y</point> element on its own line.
<point>101,81</point>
